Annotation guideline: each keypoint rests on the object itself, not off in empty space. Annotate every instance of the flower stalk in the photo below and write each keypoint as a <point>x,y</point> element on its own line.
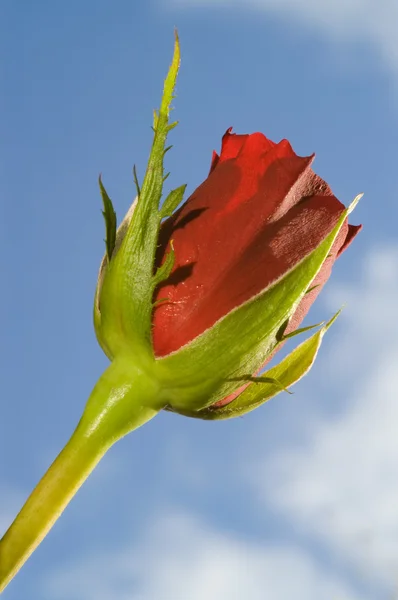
<point>122,389</point>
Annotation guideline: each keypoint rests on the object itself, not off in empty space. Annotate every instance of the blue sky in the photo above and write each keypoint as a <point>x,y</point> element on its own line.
<point>297,500</point>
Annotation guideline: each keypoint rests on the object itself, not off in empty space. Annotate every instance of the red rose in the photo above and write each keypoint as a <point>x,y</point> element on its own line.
<point>260,211</point>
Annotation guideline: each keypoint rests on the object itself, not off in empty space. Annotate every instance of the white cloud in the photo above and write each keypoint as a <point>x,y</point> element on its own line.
<point>182,558</point>
<point>371,21</point>
<point>341,484</point>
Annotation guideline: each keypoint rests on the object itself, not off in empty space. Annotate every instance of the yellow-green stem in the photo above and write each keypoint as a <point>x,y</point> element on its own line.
<point>46,503</point>
<point>122,400</point>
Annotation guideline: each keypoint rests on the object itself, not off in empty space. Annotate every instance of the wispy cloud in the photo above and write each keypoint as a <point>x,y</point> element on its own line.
<point>341,485</point>
<point>337,20</point>
<point>181,557</point>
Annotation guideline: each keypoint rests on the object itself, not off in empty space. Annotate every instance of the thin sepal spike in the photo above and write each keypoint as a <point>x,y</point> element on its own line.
<point>110,220</point>
<point>137,185</point>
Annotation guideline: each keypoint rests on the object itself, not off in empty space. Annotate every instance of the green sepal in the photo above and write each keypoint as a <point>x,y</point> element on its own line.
<point>110,220</point>
<point>310,289</point>
<point>127,287</point>
<point>288,372</point>
<point>207,369</point>
<point>98,325</point>
<point>172,201</point>
<point>164,271</point>
<point>266,379</point>
<point>137,185</point>
<point>300,331</point>
<point>281,337</point>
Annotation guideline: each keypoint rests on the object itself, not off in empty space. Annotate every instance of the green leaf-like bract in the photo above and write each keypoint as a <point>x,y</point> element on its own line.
<point>300,331</point>
<point>288,372</point>
<point>172,201</point>
<point>164,271</point>
<point>110,221</point>
<point>137,185</point>
<point>128,285</point>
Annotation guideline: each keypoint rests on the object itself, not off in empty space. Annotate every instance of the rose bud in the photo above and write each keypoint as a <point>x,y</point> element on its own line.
<point>254,245</point>
<point>200,298</point>
<point>237,268</point>
<point>191,303</point>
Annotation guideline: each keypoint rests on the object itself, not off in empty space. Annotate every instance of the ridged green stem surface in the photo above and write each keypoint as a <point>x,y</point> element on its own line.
<point>122,390</point>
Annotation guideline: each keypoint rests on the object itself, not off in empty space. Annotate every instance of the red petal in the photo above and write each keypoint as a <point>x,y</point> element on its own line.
<point>232,144</point>
<point>260,211</point>
<point>214,161</point>
<point>352,232</point>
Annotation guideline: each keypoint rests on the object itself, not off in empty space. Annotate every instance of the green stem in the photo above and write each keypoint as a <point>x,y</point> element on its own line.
<point>124,398</point>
